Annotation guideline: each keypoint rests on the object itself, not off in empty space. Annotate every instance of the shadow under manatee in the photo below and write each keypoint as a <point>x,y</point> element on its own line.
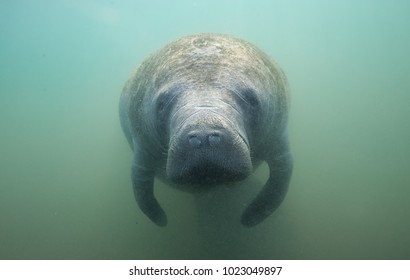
<point>222,234</point>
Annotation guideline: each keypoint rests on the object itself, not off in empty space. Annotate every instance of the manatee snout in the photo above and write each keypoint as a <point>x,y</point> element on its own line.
<point>206,150</point>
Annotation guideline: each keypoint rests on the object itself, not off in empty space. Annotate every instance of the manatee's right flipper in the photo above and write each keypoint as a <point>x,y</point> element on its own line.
<point>143,185</point>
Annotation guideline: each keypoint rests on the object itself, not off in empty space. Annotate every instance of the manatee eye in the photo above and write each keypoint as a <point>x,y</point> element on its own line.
<point>161,104</point>
<point>161,113</point>
<point>250,98</point>
<point>251,106</point>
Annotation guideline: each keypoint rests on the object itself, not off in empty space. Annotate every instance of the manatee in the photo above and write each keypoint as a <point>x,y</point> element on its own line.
<point>205,110</point>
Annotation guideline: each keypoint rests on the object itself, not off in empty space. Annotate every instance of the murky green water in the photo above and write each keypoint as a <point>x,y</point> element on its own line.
<point>65,187</point>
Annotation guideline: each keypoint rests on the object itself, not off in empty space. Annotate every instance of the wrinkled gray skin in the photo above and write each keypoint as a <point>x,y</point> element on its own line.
<point>203,110</point>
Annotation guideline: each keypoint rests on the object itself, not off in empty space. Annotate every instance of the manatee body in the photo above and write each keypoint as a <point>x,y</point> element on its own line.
<point>207,109</point>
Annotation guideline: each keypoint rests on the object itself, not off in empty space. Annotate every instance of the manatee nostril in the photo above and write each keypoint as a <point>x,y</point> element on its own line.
<point>194,141</point>
<point>214,139</point>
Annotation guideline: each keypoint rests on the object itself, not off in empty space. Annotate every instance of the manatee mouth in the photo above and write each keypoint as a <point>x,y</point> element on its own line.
<point>209,174</point>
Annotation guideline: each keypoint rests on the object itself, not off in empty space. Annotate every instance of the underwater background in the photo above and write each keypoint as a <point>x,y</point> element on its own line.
<point>65,185</point>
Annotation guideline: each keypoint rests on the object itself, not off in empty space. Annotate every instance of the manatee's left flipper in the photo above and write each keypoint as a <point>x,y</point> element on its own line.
<point>143,185</point>
<point>274,191</point>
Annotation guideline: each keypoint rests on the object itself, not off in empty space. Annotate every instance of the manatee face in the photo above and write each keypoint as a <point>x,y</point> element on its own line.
<point>208,141</point>
<point>203,110</point>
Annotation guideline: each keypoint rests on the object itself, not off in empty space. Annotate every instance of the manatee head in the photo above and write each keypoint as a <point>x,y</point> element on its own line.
<point>209,100</point>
